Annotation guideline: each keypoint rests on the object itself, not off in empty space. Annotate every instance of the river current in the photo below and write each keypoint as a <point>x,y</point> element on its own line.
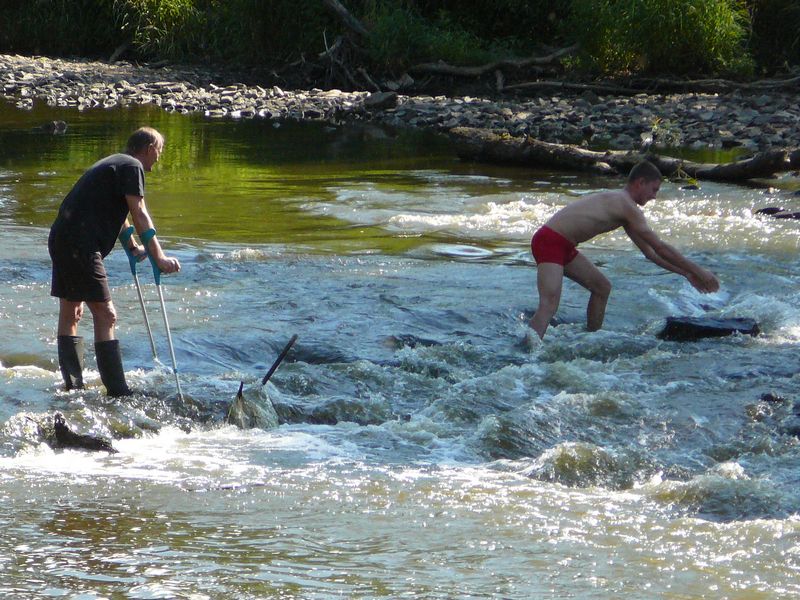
<point>416,442</point>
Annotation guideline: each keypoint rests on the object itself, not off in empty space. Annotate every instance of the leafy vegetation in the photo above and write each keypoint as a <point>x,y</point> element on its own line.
<point>616,36</point>
<point>158,28</point>
<point>775,25</point>
<point>60,27</point>
<point>401,36</point>
<point>662,36</point>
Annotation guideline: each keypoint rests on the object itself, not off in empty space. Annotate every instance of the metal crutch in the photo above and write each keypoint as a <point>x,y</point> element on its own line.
<point>146,237</point>
<point>125,238</point>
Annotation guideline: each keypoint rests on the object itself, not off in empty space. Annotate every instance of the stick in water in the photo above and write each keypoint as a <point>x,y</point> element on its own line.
<point>279,360</point>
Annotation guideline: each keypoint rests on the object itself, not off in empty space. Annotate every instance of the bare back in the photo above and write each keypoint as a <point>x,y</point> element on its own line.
<point>594,214</point>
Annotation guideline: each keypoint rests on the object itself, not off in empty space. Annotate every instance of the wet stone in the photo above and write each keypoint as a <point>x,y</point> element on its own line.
<point>683,329</point>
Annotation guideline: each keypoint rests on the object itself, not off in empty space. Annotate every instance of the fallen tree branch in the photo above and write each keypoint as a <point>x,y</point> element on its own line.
<point>638,86</point>
<point>483,145</point>
<point>329,52</point>
<point>716,85</point>
<point>363,72</point>
<point>763,164</point>
<point>120,50</point>
<point>349,20</point>
<point>442,68</point>
<point>336,64</point>
<point>487,146</point>
<point>604,88</point>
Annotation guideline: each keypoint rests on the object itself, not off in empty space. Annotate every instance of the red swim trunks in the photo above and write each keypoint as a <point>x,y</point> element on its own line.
<point>549,246</point>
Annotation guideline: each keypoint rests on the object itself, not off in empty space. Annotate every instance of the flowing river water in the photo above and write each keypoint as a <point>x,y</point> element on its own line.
<point>417,443</point>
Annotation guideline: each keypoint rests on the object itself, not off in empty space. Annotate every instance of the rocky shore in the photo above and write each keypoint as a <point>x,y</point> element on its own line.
<point>753,121</point>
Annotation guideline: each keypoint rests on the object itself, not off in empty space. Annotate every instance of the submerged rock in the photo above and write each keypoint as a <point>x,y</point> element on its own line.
<point>252,412</point>
<point>335,410</point>
<point>581,464</point>
<point>54,127</point>
<point>402,340</point>
<point>772,397</point>
<point>769,210</point>
<point>778,213</point>
<point>685,329</point>
<point>66,438</point>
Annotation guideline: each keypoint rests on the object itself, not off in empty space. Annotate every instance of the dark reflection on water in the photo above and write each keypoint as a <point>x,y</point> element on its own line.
<point>249,181</point>
<point>220,180</point>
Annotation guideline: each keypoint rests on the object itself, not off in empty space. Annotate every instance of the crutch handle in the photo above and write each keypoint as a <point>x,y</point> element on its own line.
<point>125,240</point>
<point>156,270</point>
<point>146,236</point>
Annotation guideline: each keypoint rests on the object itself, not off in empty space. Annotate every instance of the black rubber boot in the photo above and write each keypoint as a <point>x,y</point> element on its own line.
<point>109,363</point>
<point>70,361</point>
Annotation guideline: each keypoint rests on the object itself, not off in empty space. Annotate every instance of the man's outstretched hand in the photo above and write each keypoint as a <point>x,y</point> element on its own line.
<point>704,281</point>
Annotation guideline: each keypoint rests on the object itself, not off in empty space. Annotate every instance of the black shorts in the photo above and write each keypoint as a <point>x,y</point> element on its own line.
<point>78,275</point>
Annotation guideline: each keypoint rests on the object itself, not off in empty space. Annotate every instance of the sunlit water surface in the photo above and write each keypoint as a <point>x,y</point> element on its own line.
<point>425,447</point>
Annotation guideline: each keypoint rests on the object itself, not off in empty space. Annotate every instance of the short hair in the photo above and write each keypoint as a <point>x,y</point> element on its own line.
<point>644,170</point>
<point>142,138</point>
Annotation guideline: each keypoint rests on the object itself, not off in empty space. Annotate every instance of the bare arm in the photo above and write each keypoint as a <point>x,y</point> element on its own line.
<point>666,256</point>
<point>134,248</point>
<point>142,222</point>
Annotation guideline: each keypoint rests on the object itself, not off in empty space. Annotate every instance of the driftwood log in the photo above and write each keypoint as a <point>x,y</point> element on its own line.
<point>654,86</point>
<point>718,85</point>
<point>484,145</point>
<point>442,68</point>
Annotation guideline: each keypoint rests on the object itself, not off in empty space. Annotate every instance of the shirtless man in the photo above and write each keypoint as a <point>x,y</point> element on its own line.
<point>554,246</point>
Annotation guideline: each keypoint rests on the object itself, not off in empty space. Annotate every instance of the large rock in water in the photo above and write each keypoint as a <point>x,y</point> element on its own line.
<point>686,329</point>
<point>252,410</point>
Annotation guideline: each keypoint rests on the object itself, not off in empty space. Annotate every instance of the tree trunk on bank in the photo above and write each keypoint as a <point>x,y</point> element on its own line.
<point>484,145</point>
<point>348,19</point>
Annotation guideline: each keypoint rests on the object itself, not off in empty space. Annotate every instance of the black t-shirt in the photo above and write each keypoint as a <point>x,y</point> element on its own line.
<point>93,212</point>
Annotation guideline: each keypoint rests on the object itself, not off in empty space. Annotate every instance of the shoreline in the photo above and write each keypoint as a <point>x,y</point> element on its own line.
<point>752,122</point>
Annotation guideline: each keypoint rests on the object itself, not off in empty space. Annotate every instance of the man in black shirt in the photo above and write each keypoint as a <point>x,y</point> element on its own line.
<point>89,220</point>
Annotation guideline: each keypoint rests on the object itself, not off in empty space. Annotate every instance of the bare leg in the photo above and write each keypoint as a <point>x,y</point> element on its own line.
<point>549,278</point>
<point>105,319</point>
<point>70,345</point>
<point>596,311</point>
<point>582,271</point>
<point>69,315</point>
